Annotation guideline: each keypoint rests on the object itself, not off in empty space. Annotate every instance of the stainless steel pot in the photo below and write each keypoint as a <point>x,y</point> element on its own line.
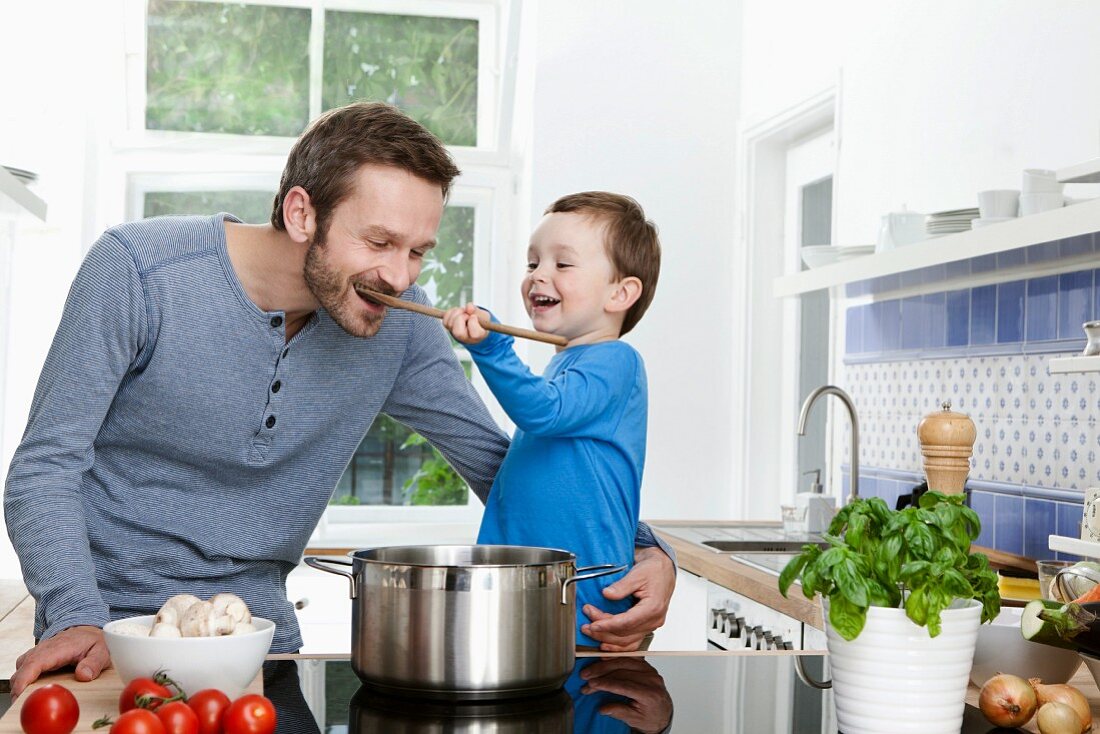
<point>469,621</point>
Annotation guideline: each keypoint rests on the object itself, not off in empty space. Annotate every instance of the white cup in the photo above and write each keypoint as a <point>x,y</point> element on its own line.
<point>998,203</point>
<point>1041,180</point>
<point>1034,203</point>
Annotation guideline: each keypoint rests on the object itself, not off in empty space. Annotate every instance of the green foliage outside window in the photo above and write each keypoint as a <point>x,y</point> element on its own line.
<point>435,483</point>
<point>252,207</point>
<point>426,66</point>
<point>245,69</point>
<point>227,68</point>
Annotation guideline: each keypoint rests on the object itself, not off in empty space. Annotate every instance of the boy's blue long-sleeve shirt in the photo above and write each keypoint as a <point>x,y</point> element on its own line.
<point>572,476</point>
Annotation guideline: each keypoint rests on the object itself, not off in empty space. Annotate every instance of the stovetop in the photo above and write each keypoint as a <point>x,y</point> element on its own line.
<point>700,692</point>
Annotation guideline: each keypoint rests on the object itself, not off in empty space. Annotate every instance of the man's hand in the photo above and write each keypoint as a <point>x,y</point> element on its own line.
<point>650,706</point>
<point>651,581</point>
<point>464,323</point>
<point>81,646</point>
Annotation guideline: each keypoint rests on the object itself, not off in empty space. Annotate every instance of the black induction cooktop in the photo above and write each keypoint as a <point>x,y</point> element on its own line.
<point>709,693</point>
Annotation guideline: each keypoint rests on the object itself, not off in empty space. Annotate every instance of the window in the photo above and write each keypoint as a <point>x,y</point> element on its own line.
<point>217,93</point>
<point>266,69</point>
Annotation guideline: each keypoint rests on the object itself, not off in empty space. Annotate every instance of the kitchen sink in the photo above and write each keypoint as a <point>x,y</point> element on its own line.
<point>747,538</point>
<point>761,546</point>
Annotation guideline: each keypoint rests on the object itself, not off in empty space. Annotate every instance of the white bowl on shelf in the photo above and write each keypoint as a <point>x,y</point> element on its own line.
<point>816,256</point>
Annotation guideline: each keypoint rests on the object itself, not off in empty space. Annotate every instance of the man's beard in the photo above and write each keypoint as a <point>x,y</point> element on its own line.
<point>332,291</point>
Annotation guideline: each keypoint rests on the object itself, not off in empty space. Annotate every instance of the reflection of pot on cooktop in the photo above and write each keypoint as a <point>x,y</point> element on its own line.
<point>374,712</point>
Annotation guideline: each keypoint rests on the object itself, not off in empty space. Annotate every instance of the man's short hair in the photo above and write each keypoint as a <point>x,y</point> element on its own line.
<point>631,241</point>
<point>337,144</point>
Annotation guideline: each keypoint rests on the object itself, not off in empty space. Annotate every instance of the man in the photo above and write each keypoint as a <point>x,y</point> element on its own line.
<point>210,380</point>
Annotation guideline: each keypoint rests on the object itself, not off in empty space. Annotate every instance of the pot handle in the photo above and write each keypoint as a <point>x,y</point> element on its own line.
<point>319,563</point>
<point>604,569</point>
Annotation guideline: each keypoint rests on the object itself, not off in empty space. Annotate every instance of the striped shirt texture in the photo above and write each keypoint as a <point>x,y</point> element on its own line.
<point>177,443</point>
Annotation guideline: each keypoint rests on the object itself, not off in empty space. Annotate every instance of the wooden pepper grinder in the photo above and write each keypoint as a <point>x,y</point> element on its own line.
<point>947,442</point>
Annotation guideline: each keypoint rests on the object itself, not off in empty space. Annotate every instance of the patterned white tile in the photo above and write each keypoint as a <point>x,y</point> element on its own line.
<point>1033,428</point>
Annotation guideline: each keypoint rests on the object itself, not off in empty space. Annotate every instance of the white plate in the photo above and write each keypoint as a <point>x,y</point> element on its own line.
<point>817,256</point>
<point>979,223</point>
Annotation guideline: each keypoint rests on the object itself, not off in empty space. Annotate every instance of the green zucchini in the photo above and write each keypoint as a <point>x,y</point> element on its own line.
<point>1067,626</point>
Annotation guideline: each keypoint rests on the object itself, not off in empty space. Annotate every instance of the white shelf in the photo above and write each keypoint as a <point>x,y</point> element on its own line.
<point>1075,364</point>
<point>1057,224</point>
<point>1087,172</point>
<point>1076,546</point>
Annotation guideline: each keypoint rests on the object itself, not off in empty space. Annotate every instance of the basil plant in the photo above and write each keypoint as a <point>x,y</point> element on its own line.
<point>918,559</point>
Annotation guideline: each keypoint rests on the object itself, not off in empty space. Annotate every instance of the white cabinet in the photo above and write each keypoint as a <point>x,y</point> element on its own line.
<point>324,615</point>
<point>685,626</point>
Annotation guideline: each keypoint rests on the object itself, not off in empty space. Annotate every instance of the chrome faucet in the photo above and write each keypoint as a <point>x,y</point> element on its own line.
<point>853,492</point>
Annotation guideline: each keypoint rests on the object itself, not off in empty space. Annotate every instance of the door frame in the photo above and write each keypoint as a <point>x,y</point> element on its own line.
<point>759,420</point>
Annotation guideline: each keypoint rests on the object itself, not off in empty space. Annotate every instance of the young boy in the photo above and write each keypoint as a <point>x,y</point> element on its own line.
<point>572,476</point>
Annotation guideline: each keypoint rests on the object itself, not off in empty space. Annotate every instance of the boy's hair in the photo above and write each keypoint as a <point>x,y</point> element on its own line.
<point>327,156</point>
<point>631,241</point>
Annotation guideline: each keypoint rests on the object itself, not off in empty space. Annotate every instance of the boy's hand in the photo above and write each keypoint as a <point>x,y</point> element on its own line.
<point>464,323</point>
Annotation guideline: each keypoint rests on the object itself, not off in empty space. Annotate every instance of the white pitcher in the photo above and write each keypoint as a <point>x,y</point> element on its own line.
<point>900,228</point>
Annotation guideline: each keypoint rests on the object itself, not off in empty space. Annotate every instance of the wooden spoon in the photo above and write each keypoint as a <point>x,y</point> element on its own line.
<point>538,336</point>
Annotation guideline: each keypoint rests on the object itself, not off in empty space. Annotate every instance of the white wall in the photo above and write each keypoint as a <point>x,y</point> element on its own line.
<point>640,97</point>
<point>54,85</point>
<point>938,100</point>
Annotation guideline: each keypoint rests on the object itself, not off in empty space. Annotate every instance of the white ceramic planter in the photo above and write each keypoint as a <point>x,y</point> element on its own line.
<point>894,678</point>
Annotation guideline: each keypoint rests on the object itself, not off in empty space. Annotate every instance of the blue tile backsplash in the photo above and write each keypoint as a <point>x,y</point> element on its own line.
<point>986,349</point>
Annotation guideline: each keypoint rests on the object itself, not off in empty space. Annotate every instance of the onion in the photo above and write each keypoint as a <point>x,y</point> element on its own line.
<point>1068,695</point>
<point>1008,700</point>
<point>1057,718</point>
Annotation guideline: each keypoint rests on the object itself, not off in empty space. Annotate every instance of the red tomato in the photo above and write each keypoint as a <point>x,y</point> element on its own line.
<point>51,709</point>
<point>138,721</point>
<point>209,705</point>
<point>142,687</point>
<point>251,714</point>
<point>178,718</point>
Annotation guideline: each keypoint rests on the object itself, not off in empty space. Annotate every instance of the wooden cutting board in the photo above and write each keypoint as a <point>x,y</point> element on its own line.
<point>97,698</point>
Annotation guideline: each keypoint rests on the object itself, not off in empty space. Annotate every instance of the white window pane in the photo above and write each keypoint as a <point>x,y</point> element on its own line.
<point>426,66</point>
<point>227,68</point>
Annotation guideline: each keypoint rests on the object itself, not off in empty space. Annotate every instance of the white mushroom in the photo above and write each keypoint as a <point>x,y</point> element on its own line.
<point>131,629</point>
<point>203,620</point>
<point>232,605</point>
<point>163,629</point>
<point>243,628</point>
<point>173,610</point>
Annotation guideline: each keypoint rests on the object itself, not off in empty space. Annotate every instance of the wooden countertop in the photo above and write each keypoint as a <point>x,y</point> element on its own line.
<point>96,698</point>
<point>757,585</point>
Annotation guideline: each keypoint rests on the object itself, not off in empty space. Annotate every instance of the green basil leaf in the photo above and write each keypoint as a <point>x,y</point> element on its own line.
<point>919,538</point>
<point>916,606</point>
<point>955,585</point>
<point>846,618</point>
<point>790,572</point>
<point>850,583</point>
<point>857,531</point>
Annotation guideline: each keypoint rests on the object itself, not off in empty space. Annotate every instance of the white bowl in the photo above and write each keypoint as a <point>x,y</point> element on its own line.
<point>228,663</point>
<point>1093,664</point>
<point>816,256</point>
<point>1002,648</point>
